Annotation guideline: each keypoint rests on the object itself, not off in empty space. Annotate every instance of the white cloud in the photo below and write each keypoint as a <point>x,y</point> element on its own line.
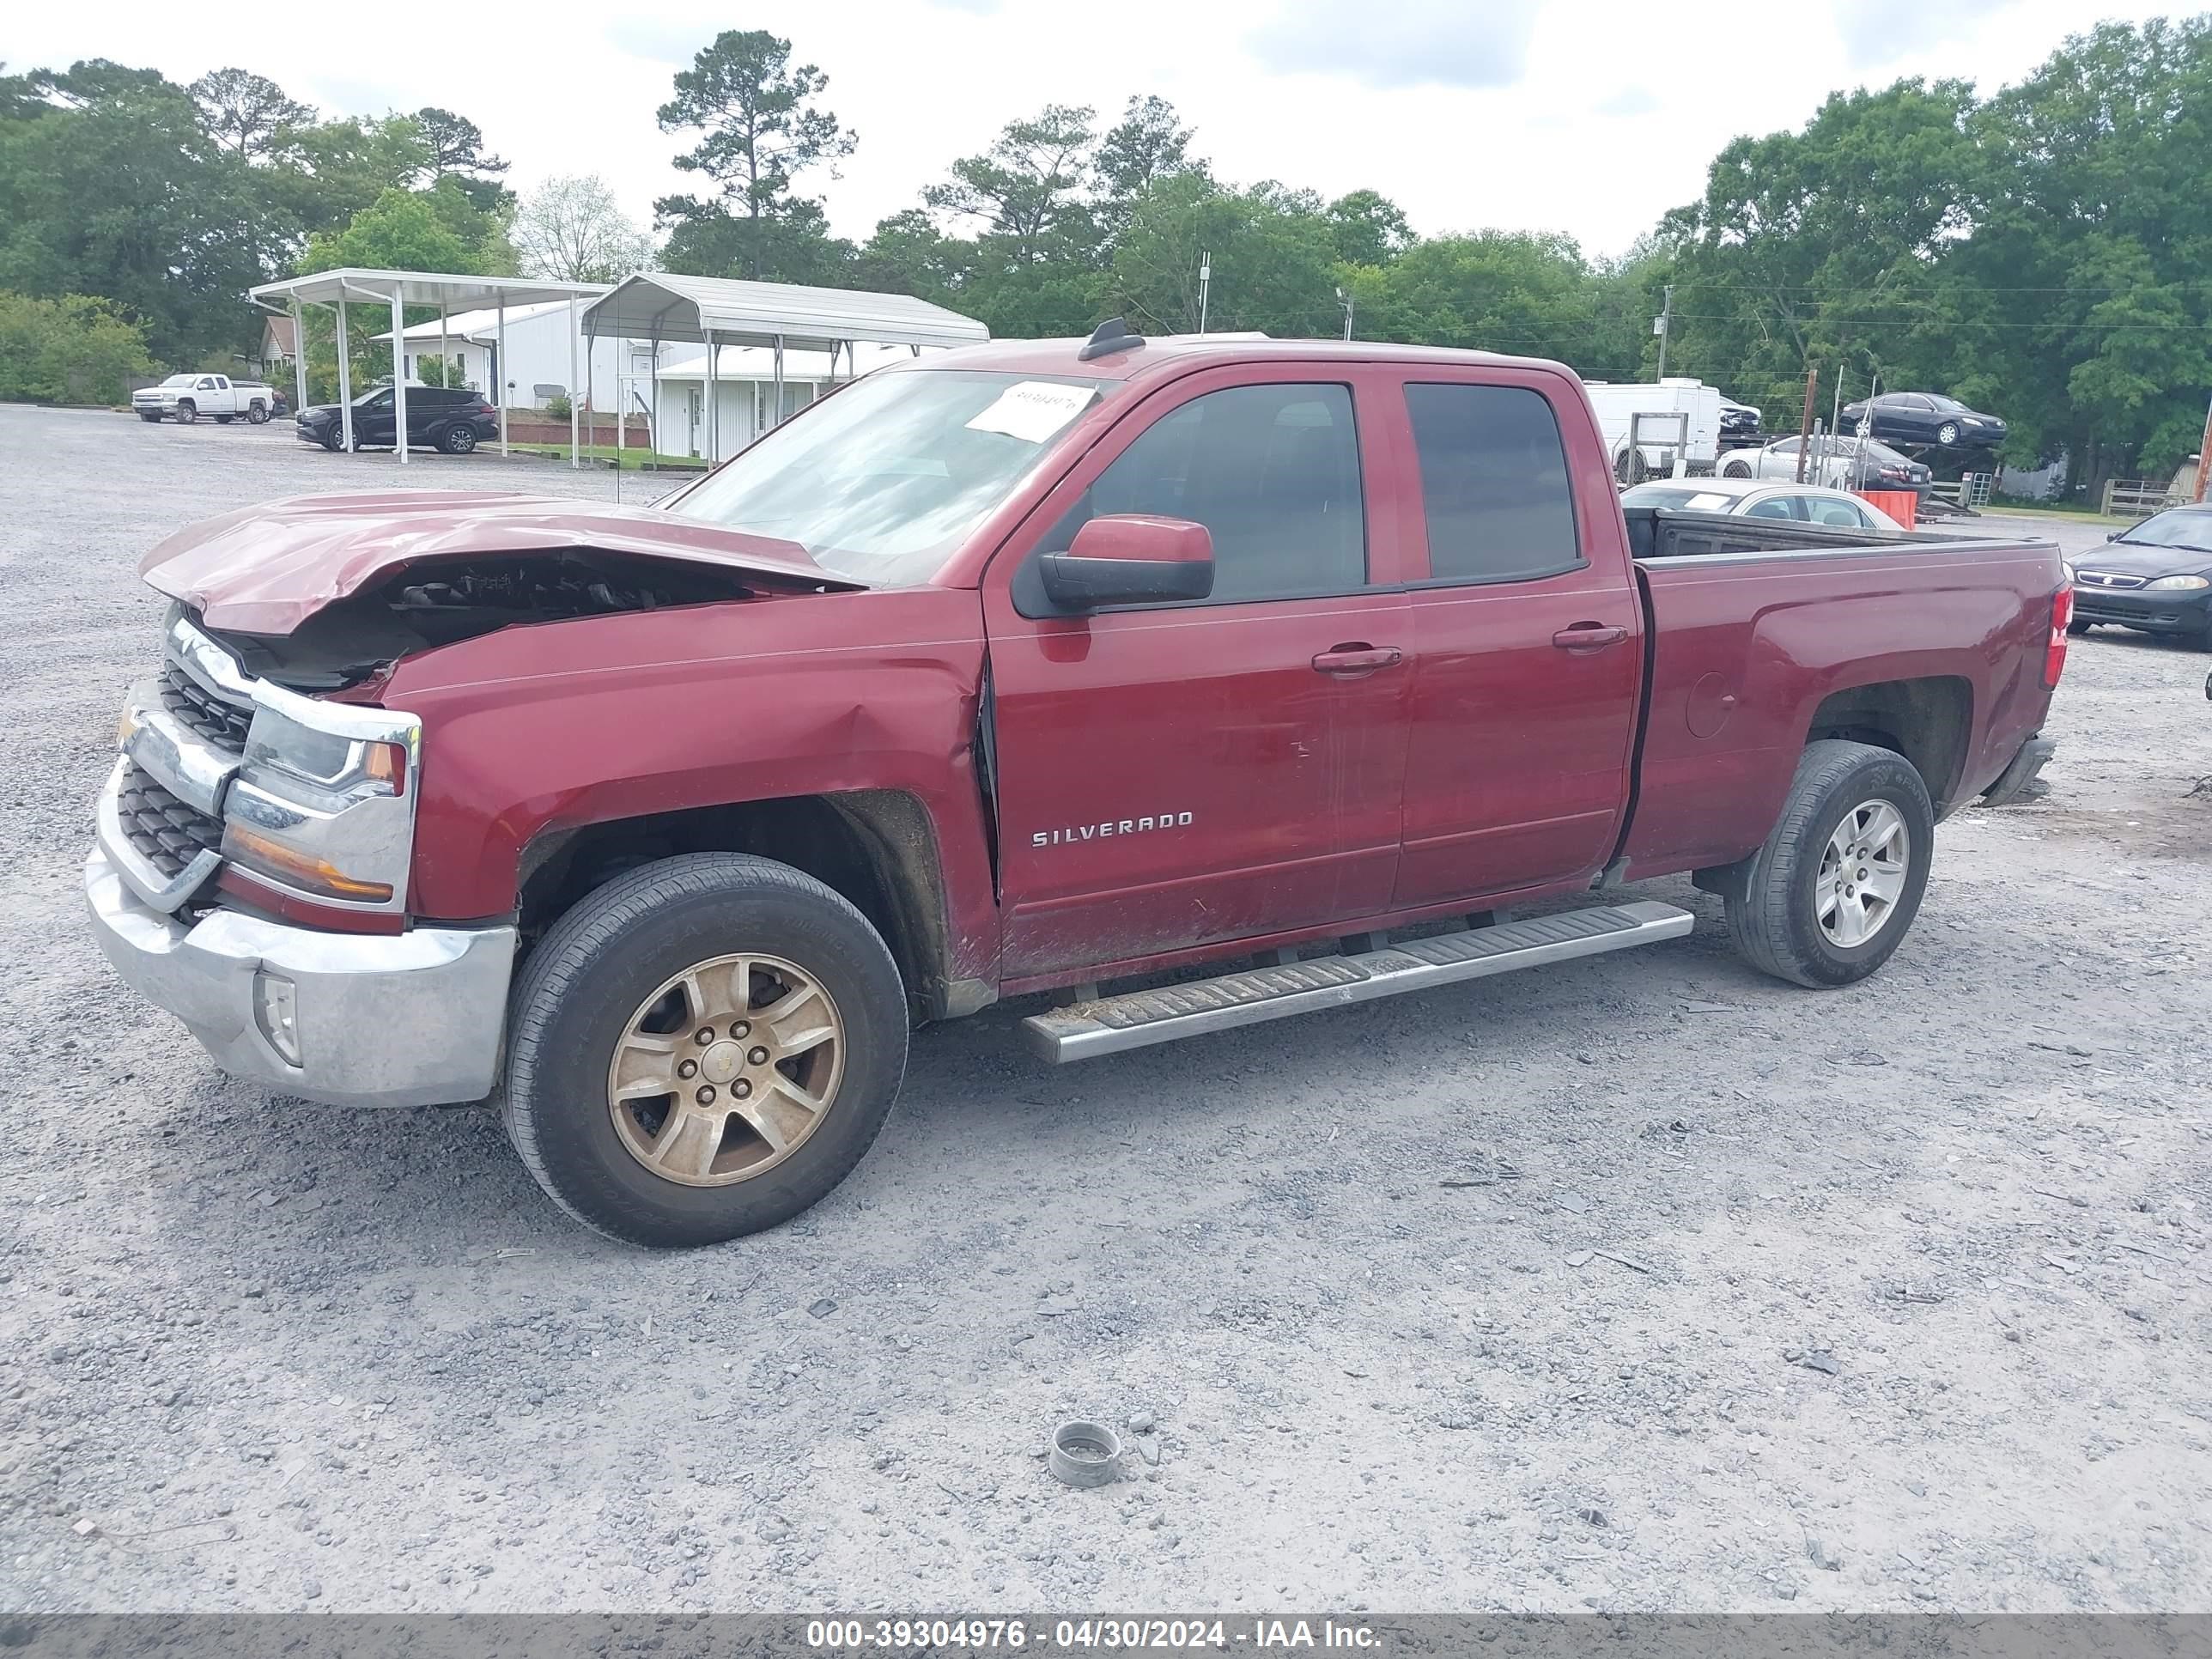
<point>1629,100</point>
<point>1400,43</point>
<point>1881,32</point>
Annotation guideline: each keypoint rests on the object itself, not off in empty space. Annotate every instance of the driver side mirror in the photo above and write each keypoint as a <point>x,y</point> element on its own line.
<point>1130,558</point>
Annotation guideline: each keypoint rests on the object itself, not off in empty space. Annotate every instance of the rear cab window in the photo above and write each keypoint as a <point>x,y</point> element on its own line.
<point>1495,486</point>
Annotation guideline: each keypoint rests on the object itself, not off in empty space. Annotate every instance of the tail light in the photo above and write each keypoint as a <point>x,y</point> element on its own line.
<point>2054,654</point>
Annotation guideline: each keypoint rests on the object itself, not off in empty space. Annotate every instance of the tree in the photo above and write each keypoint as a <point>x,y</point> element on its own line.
<point>245,113</point>
<point>402,230</point>
<point>759,131</point>
<point>110,186</point>
<point>1028,186</point>
<point>571,229</point>
<point>1148,143</point>
<point>70,349</point>
<point>1368,229</point>
<point>454,147</point>
<point>1274,263</point>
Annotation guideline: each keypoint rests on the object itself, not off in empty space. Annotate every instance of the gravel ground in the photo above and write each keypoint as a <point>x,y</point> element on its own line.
<point>1643,1282</point>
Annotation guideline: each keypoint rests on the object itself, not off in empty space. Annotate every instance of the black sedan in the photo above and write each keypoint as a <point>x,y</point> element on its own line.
<point>1924,417</point>
<point>2156,578</point>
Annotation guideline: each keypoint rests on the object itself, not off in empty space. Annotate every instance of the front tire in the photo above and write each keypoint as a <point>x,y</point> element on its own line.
<point>766,1004</point>
<point>1830,896</point>
<point>187,413</point>
<point>1948,433</point>
<point>2077,627</point>
<point>1630,468</point>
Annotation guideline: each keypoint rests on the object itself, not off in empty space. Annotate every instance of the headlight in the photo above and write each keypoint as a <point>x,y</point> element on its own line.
<point>321,805</point>
<point>2171,583</point>
<point>331,764</point>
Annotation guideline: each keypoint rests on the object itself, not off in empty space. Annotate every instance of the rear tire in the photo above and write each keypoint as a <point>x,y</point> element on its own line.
<point>1630,468</point>
<point>256,414</point>
<point>223,420</point>
<point>1735,470</point>
<point>458,439</point>
<point>2077,627</point>
<point>649,954</point>
<point>1800,912</point>
<point>151,416</point>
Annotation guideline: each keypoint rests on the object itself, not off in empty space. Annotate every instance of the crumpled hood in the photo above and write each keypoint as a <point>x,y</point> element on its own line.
<point>265,569</point>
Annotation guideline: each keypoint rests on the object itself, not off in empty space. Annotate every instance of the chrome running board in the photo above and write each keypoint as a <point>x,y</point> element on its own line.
<point>1138,1018</point>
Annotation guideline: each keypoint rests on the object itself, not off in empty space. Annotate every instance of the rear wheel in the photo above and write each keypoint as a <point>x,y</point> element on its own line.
<point>458,439</point>
<point>151,416</point>
<point>256,414</point>
<point>2077,627</point>
<point>1630,467</point>
<point>223,420</point>
<point>1832,892</point>
<point>1735,470</point>
<point>702,1049</point>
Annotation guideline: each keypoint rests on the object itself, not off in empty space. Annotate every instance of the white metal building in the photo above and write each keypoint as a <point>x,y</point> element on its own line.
<point>538,357</point>
<point>779,323</point>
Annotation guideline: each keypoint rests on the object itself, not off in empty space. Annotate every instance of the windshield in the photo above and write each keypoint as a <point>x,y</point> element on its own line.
<point>2190,530</point>
<point>180,379</point>
<point>880,482</point>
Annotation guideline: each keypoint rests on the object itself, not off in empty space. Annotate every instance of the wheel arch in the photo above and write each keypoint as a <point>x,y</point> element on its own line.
<point>877,848</point>
<point>1929,720</point>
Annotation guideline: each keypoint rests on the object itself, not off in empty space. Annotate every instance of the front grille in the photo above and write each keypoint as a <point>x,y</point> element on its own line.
<point>166,832</point>
<point>2101,579</point>
<point>217,719</point>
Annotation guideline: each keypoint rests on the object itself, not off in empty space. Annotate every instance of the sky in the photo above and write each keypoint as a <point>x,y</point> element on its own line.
<point>1590,118</point>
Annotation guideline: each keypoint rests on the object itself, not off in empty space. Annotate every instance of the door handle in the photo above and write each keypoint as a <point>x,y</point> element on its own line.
<point>1589,636</point>
<point>1357,660</point>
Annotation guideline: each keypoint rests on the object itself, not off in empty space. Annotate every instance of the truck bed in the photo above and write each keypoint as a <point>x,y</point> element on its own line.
<point>1756,642</point>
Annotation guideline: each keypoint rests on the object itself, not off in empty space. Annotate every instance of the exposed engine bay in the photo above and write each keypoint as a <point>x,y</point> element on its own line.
<point>450,601</point>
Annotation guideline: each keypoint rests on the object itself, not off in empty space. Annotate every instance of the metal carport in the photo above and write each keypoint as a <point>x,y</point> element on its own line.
<point>716,310</point>
<point>449,291</point>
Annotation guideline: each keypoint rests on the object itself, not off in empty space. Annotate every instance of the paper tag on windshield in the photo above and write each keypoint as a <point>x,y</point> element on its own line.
<point>1708,502</point>
<point>1034,410</point>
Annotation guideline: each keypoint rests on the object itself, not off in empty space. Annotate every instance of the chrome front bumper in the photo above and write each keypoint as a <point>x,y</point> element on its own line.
<point>405,1019</point>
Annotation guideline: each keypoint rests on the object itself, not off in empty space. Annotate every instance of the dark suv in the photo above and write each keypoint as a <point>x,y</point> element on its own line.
<point>437,418</point>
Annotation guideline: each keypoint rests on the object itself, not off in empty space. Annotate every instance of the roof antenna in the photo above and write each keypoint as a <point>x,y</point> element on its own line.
<point>1112,335</point>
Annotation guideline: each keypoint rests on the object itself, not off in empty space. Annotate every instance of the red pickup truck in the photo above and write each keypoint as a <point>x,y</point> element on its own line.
<point>1032,667</point>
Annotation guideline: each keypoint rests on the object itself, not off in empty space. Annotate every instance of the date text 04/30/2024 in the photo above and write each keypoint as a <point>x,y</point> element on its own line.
<point>1104,1634</point>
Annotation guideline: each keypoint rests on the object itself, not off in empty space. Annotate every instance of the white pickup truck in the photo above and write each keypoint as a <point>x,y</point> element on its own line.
<point>186,398</point>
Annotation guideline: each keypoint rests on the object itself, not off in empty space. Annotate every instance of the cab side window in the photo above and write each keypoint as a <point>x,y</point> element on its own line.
<point>1494,484</point>
<point>1273,472</point>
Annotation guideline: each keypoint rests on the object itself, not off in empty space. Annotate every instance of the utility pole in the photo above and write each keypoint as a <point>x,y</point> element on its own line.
<point>1805,420</point>
<point>1664,326</point>
<point>1205,281</point>
<point>1345,300</point>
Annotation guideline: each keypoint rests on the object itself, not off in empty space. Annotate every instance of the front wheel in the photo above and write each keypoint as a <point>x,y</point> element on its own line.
<point>2077,627</point>
<point>1630,468</point>
<point>334,440</point>
<point>702,1049</point>
<point>187,413</point>
<point>1948,433</point>
<point>1830,894</point>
